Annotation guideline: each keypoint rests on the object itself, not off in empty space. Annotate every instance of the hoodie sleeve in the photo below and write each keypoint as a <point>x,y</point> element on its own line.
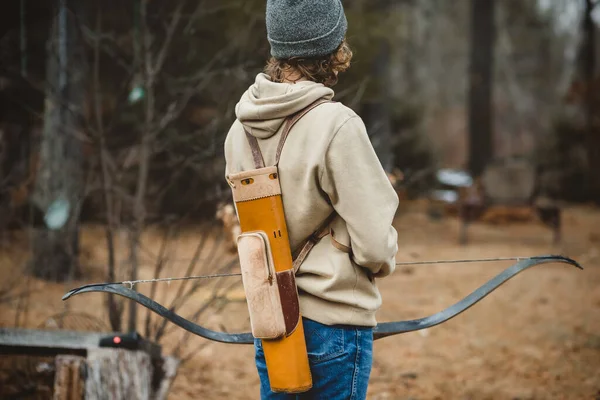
<point>362,195</point>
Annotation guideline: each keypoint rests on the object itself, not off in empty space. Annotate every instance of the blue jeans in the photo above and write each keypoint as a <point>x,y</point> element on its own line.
<point>340,360</point>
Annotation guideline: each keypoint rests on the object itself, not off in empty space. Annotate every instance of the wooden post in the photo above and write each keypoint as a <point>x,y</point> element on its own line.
<point>69,379</point>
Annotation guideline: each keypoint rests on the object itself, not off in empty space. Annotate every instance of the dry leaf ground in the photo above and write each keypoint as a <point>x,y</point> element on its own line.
<point>538,337</point>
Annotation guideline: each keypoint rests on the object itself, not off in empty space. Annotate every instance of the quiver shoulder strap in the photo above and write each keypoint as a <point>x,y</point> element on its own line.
<point>299,255</point>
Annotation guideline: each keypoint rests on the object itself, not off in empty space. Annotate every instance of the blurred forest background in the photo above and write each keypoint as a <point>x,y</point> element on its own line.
<point>113,116</point>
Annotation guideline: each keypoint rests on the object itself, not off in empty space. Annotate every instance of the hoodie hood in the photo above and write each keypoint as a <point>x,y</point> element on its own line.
<point>266,104</point>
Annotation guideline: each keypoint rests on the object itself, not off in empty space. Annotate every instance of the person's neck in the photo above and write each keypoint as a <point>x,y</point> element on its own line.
<point>292,77</point>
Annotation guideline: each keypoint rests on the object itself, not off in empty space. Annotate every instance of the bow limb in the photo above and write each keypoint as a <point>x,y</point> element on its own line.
<point>118,289</point>
<point>393,328</point>
<point>381,330</point>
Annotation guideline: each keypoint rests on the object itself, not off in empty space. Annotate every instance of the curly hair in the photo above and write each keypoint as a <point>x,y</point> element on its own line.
<point>320,69</point>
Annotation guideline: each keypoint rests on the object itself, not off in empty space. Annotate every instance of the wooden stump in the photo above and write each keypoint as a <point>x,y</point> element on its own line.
<point>116,374</point>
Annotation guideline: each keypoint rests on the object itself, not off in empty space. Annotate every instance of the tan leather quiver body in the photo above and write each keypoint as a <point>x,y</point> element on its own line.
<point>268,270</point>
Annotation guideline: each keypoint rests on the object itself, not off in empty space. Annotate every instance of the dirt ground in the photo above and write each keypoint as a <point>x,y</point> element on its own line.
<point>537,337</point>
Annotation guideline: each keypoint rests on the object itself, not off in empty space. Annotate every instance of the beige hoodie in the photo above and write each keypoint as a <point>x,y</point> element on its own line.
<point>327,163</point>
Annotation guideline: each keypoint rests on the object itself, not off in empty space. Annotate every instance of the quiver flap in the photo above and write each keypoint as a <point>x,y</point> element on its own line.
<point>260,284</point>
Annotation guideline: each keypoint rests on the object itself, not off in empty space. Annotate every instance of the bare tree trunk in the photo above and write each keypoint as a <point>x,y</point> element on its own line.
<point>59,180</point>
<point>481,85</point>
<point>152,66</point>
<point>143,160</point>
<point>114,307</point>
<point>591,103</point>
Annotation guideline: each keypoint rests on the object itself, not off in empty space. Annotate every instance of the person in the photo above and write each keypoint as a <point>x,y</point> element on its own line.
<point>327,165</point>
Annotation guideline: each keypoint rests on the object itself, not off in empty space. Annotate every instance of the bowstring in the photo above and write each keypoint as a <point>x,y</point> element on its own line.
<point>183,278</point>
<point>429,262</point>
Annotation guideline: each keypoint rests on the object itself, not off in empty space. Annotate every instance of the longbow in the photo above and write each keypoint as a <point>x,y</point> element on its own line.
<point>382,330</point>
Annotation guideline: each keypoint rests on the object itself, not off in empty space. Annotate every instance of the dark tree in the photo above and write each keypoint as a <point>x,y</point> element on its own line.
<point>59,182</point>
<point>591,100</point>
<point>481,84</point>
<point>377,111</point>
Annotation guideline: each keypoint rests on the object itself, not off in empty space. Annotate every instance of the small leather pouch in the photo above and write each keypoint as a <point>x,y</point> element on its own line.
<point>260,284</point>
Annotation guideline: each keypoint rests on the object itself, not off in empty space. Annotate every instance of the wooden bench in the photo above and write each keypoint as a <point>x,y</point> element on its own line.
<point>69,365</point>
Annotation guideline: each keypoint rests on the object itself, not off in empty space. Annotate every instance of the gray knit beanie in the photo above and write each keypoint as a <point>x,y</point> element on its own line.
<point>305,28</point>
